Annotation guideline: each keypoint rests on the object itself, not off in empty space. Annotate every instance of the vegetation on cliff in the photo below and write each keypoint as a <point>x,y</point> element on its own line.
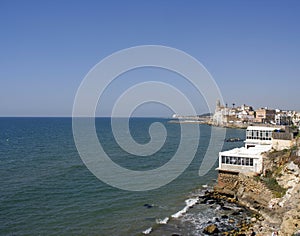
<point>271,183</point>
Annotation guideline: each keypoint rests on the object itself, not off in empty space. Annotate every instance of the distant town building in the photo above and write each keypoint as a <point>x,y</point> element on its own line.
<point>245,115</point>
<point>296,118</point>
<point>283,117</point>
<point>265,115</point>
<point>225,115</point>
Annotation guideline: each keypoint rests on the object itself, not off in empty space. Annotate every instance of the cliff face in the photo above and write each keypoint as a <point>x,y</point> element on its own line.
<point>275,195</point>
<point>289,204</point>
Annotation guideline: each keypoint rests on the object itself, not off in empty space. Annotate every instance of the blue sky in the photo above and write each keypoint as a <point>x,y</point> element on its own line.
<point>251,48</point>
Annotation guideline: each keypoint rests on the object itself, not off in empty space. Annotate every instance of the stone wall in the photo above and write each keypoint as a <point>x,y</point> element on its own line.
<point>227,182</point>
<point>245,189</point>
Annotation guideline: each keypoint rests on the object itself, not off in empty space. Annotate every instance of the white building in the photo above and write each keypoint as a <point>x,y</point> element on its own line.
<point>242,159</point>
<point>259,135</point>
<point>248,158</point>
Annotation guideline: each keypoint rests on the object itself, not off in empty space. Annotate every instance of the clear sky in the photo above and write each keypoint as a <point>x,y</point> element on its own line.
<point>251,48</point>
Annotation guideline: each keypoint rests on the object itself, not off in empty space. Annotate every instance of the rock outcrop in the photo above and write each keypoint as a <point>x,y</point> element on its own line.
<point>274,195</point>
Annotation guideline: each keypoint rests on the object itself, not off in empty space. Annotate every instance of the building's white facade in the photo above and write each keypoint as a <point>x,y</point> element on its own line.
<point>248,158</point>
<point>258,135</point>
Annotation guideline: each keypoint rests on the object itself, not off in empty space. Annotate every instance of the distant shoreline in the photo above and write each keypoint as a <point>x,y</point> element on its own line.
<point>208,122</point>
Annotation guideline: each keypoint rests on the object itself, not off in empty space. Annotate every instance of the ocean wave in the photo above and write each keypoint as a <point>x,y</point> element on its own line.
<point>147,231</point>
<point>189,203</point>
<point>162,222</point>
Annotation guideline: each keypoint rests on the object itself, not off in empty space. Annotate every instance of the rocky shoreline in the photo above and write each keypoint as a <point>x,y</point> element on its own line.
<point>242,203</point>
<point>273,197</point>
<point>242,227</point>
<point>212,214</point>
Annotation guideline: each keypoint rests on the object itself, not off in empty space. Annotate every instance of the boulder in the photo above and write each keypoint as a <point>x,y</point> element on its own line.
<point>211,229</point>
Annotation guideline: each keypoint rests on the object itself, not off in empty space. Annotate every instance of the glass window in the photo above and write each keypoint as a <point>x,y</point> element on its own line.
<point>251,162</point>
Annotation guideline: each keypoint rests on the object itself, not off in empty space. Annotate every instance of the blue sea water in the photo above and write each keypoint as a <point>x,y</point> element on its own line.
<point>45,189</point>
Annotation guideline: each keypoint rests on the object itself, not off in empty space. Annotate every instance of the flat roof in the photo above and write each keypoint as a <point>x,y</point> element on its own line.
<point>261,128</point>
<point>247,152</point>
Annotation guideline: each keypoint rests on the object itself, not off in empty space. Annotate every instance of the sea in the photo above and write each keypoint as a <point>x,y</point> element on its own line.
<point>45,188</point>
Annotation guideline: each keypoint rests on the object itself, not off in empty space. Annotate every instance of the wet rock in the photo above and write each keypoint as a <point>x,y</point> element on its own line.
<point>226,208</point>
<point>211,229</point>
<point>231,221</point>
<point>176,234</point>
<point>236,213</point>
<point>224,217</point>
<point>210,202</point>
<point>148,205</point>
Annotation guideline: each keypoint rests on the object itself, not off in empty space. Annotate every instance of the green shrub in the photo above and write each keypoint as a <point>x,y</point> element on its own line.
<point>273,185</point>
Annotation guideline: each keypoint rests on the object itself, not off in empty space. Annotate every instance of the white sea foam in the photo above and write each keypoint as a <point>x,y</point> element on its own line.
<point>147,231</point>
<point>162,222</point>
<point>189,203</point>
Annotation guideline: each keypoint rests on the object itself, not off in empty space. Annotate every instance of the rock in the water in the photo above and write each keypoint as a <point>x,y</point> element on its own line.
<point>226,208</point>
<point>148,205</point>
<point>210,202</point>
<point>211,229</point>
<point>224,217</point>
